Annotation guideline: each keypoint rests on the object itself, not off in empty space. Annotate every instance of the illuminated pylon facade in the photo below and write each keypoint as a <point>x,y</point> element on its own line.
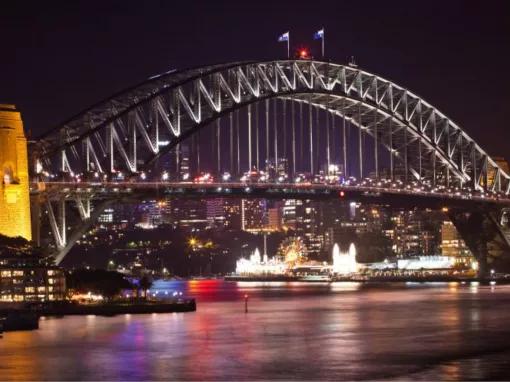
<point>14,187</point>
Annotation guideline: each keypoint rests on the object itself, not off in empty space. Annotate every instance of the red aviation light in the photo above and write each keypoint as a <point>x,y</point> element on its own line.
<point>303,53</point>
<point>341,194</point>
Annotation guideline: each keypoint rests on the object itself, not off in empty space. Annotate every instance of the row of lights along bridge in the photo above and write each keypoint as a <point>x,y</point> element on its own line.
<point>301,141</point>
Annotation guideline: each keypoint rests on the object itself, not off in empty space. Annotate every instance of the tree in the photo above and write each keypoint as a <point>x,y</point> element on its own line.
<point>145,284</point>
<point>107,283</point>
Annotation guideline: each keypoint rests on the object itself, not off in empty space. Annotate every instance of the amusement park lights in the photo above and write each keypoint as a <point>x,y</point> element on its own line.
<point>344,263</point>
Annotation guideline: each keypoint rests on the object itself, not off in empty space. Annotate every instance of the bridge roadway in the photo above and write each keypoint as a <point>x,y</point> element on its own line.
<point>395,196</point>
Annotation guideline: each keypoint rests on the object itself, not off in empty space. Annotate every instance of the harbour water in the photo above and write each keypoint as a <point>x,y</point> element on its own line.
<point>309,331</point>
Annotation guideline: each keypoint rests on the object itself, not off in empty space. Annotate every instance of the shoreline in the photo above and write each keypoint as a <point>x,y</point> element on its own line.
<point>17,317</point>
<point>394,279</point>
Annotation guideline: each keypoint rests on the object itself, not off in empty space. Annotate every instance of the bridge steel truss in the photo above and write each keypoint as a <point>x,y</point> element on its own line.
<point>131,130</point>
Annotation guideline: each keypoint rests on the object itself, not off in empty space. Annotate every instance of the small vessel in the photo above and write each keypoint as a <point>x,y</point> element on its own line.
<point>316,277</point>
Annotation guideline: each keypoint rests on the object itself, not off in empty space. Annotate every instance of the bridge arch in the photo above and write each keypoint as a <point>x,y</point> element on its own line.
<point>131,129</point>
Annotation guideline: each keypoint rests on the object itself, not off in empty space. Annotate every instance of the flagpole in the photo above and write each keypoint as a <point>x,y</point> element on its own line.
<point>323,36</point>
<point>288,46</point>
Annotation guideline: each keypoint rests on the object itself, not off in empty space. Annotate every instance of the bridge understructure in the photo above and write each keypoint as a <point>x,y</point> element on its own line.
<point>284,129</point>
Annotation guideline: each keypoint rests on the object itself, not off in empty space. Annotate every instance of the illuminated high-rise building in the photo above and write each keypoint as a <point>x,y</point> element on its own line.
<point>190,213</point>
<point>309,226</point>
<point>253,215</point>
<point>274,217</point>
<point>215,212</point>
<point>232,213</point>
<point>289,218</point>
<point>184,163</point>
<point>14,187</point>
<point>451,243</point>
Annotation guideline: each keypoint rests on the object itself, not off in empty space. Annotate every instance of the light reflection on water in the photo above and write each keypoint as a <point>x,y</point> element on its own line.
<point>292,331</point>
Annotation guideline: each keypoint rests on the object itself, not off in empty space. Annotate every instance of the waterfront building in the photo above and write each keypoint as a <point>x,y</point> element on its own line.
<point>426,262</point>
<point>30,278</point>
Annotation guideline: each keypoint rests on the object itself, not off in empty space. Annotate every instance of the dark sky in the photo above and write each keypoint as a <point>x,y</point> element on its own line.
<point>59,57</point>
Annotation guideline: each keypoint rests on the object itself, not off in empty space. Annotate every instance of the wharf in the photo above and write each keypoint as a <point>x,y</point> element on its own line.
<point>114,308</point>
<point>22,316</point>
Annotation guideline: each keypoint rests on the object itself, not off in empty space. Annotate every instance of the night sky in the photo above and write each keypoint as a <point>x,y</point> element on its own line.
<point>59,57</point>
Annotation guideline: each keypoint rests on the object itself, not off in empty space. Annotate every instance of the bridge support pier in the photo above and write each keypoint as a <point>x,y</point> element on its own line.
<point>485,237</point>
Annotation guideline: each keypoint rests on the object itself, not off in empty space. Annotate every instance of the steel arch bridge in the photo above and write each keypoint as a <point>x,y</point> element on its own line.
<point>410,140</point>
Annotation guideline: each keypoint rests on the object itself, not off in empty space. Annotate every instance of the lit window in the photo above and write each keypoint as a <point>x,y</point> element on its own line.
<point>17,273</point>
<point>29,289</point>
<point>5,273</point>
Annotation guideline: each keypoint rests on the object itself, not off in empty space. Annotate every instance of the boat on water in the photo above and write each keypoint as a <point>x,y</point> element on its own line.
<point>317,277</point>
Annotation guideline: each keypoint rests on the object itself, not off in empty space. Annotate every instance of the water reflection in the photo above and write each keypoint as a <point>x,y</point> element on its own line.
<point>292,331</point>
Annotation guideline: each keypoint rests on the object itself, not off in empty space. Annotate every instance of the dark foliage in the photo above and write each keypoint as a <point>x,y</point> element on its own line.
<point>107,283</point>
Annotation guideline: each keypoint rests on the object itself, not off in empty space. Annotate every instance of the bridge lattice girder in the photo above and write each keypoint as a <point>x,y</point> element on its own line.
<point>129,128</point>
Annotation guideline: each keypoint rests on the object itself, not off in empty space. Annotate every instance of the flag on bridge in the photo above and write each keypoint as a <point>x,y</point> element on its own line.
<point>285,37</point>
<point>319,35</point>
